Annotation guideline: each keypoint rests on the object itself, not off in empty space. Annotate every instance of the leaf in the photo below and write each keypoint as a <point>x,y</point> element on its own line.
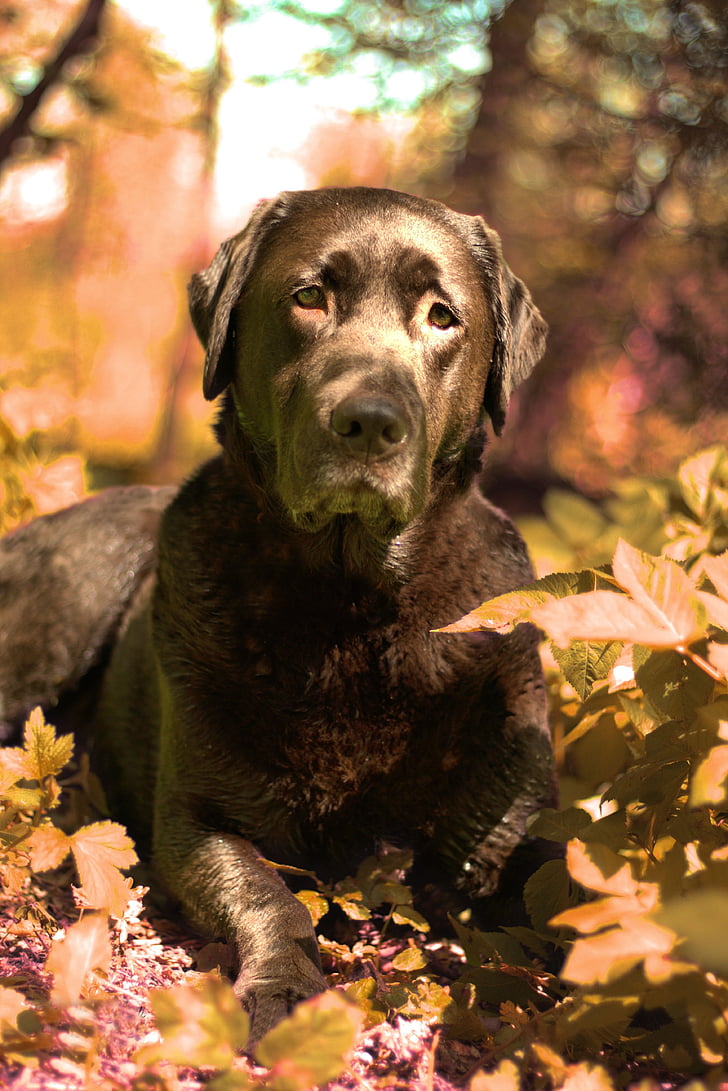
<point>663,589</point>
<point>48,847</point>
<point>585,662</point>
<point>411,958</point>
<point>699,918</point>
<point>574,517</point>
<point>501,614</point>
<point>47,753</point>
<point>85,947</point>
<point>316,904</point>
<point>99,851</point>
<point>716,609</point>
<point>587,1077</point>
<point>673,688</point>
<point>405,914</point>
<point>504,1078</point>
<point>606,616</point>
<point>697,477</point>
<point>597,868</point>
<point>709,782</point>
<point>200,1025</point>
<point>556,825</point>
<point>310,1046</point>
<point>608,955</point>
<point>716,568</point>
<point>547,892</point>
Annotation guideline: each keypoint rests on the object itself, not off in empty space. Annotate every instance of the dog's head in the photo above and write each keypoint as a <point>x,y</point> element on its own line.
<point>362,333</point>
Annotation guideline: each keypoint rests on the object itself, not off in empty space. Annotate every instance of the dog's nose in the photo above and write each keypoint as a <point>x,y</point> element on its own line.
<point>372,427</point>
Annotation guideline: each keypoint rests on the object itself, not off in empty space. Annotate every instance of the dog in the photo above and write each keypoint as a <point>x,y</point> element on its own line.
<point>271,684</point>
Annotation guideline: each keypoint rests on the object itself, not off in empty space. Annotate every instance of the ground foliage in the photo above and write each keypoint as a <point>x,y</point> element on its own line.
<point>95,992</point>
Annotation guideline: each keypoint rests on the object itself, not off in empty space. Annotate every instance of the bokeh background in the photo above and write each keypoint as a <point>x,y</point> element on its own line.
<point>134,136</point>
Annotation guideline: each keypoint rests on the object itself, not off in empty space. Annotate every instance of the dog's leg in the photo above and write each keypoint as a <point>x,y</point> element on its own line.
<point>227,890</point>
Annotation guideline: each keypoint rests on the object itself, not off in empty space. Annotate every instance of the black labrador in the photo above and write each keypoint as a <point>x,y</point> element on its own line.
<point>274,688</point>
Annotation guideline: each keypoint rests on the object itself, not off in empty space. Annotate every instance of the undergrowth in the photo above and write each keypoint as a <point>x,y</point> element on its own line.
<point>637,665</point>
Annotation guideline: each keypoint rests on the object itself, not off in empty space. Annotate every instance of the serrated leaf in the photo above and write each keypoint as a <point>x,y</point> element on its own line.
<point>47,753</point>
<point>411,958</point>
<point>716,609</point>
<point>663,590</point>
<point>673,688</point>
<point>99,851</point>
<point>84,948</point>
<point>310,1046</point>
<point>200,1025</point>
<point>503,613</point>
<point>585,662</point>
<point>48,847</point>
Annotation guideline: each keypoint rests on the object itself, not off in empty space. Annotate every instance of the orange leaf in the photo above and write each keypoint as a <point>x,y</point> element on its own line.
<point>708,783</point>
<point>99,851</point>
<point>48,847</point>
<point>717,609</point>
<point>607,956</point>
<point>598,868</point>
<point>601,615</point>
<point>11,1005</point>
<point>662,589</point>
<point>84,948</point>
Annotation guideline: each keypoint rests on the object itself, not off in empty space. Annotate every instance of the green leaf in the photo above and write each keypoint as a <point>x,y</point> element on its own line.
<point>547,892</point>
<point>699,918</point>
<point>573,517</point>
<point>697,476</point>
<point>310,1046</point>
<point>585,662</point>
<point>673,687</point>
<point>556,825</point>
<point>200,1025</point>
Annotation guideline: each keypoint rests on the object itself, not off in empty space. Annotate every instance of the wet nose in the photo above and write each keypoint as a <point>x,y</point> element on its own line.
<point>371,427</point>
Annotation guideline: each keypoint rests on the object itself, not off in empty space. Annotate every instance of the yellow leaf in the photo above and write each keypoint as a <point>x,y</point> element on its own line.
<point>310,1046</point>
<point>315,903</point>
<point>48,847</point>
<point>411,958</point>
<point>47,753</point>
<point>503,1078</point>
<point>84,948</point>
<point>99,851</point>
<point>587,1077</point>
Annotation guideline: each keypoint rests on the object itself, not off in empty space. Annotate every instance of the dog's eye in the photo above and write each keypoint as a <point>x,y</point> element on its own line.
<point>310,298</point>
<point>441,316</point>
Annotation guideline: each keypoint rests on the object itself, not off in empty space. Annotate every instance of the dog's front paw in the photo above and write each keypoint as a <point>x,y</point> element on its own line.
<point>269,999</point>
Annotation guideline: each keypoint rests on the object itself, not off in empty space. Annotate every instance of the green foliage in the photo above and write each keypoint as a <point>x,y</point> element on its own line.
<point>647,643</point>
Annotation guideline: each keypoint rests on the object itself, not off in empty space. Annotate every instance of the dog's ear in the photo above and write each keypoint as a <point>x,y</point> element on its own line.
<point>520,330</point>
<point>213,294</point>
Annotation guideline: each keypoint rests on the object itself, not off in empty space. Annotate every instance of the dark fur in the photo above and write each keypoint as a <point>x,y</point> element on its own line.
<point>278,690</point>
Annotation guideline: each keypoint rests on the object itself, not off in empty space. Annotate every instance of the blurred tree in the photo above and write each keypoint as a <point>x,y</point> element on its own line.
<point>600,153</point>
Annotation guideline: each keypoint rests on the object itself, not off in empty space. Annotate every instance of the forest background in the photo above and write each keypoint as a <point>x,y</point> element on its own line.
<point>594,137</point>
